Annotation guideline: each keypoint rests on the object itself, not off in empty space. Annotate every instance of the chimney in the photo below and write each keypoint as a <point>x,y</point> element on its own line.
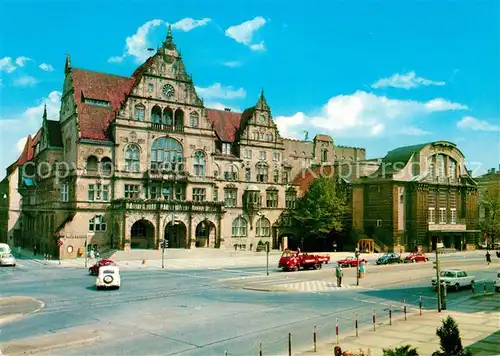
<point>227,109</point>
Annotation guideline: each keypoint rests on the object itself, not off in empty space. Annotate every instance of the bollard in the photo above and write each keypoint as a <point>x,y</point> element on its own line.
<point>484,287</point>
<point>337,330</point>
<point>260,348</point>
<point>473,287</point>
<point>373,319</point>
<point>225,353</point>
<point>420,304</point>
<point>356,324</point>
<point>405,308</point>
<point>390,314</point>
<point>315,339</point>
<point>289,344</point>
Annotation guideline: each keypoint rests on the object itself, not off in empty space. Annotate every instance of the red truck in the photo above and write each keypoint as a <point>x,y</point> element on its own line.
<point>295,260</point>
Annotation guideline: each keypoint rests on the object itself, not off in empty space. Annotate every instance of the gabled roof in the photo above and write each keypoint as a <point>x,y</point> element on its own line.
<point>305,177</point>
<point>93,121</point>
<point>226,123</point>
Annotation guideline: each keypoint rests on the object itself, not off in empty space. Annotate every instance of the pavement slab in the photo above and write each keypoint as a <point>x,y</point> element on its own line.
<point>15,307</point>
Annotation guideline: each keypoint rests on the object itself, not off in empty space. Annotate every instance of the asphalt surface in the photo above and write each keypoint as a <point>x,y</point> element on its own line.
<point>189,313</point>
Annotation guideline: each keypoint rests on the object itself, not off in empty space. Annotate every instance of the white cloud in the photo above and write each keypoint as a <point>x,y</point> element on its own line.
<point>6,65</point>
<point>220,106</point>
<point>365,114</point>
<point>21,61</point>
<point>46,67</point>
<point>405,81</point>
<point>187,24</point>
<point>217,91</point>
<point>25,81</point>
<point>414,131</point>
<point>258,46</point>
<point>116,59</point>
<point>232,64</point>
<point>243,33</point>
<point>469,122</point>
<point>21,143</point>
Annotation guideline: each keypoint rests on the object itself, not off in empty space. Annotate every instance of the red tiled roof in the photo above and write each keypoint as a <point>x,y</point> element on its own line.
<point>226,123</point>
<point>28,152</point>
<point>36,138</point>
<point>93,121</point>
<point>306,176</point>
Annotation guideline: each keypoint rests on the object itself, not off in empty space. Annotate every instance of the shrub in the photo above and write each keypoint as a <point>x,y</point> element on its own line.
<point>406,350</point>
<point>450,341</point>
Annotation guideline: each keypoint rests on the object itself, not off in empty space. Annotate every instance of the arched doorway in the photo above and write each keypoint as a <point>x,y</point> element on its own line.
<point>142,235</point>
<point>175,234</point>
<point>205,234</point>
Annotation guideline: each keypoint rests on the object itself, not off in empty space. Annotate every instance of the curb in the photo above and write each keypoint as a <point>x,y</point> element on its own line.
<point>13,317</point>
<point>53,347</point>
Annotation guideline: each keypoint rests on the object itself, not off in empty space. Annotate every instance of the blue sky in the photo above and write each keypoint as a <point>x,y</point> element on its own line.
<point>373,74</point>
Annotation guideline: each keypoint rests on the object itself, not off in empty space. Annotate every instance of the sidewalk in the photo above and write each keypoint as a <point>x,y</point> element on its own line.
<point>479,330</point>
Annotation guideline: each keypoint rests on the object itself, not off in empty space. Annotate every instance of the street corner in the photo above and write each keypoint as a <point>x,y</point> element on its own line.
<point>16,307</point>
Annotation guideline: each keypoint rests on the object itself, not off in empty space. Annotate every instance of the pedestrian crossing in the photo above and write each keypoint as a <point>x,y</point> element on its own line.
<point>278,282</point>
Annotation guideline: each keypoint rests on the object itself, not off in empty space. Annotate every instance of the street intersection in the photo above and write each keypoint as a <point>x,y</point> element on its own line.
<point>210,311</point>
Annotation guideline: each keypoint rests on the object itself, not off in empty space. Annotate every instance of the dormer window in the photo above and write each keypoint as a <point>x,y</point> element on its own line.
<point>97,102</point>
<point>226,148</point>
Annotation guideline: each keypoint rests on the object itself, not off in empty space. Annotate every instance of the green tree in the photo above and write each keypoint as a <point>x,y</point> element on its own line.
<point>490,202</point>
<point>406,350</point>
<point>450,340</point>
<point>321,210</point>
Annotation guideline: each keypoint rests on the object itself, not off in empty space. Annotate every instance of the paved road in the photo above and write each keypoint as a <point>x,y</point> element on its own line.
<point>190,313</point>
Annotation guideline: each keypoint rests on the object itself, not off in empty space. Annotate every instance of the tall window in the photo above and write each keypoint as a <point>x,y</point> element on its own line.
<point>248,174</point>
<point>64,192</point>
<point>285,177</point>
<point>91,192</point>
<point>193,119</point>
<point>140,113</point>
<point>430,167</point>
<point>272,199</point>
<point>440,166</point>
<point>452,167</point>
<point>324,156</point>
<point>276,156</point>
<point>156,115</point>
<point>215,194</point>
<point>239,227</point>
<point>262,172</point>
<point>132,158</point>
<point>442,215</point>
<point>226,148</point>
<point>199,194</point>
<point>276,175</point>
<point>199,164</point>
<point>231,172</point>
<point>166,153</point>
<point>230,197</point>
<point>247,153</point>
<point>453,216</point>
<point>263,228</point>
<point>262,155</point>
<point>290,198</point>
<point>97,223</point>
<point>432,216</point>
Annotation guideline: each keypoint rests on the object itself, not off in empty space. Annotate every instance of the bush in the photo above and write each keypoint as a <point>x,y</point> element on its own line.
<point>360,352</point>
<point>406,350</point>
<point>450,341</point>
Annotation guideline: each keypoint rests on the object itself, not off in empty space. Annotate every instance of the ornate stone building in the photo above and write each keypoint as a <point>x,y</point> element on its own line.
<point>419,196</point>
<point>135,160</point>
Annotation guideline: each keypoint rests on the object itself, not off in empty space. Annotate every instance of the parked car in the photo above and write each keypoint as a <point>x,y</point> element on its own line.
<point>7,259</point>
<point>294,260</point>
<point>497,282</point>
<point>388,258</point>
<point>415,257</point>
<point>350,261</point>
<point>455,278</point>
<point>108,277</point>
<point>94,270</point>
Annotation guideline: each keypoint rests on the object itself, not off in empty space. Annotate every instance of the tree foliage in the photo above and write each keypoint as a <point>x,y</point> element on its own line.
<point>490,202</point>
<point>450,341</point>
<point>406,350</point>
<point>321,210</point>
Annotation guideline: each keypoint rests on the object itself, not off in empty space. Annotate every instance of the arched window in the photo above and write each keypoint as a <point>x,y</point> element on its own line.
<point>430,167</point>
<point>106,165</point>
<point>179,119</point>
<point>168,114</point>
<point>324,156</point>
<point>156,115</point>
<point>452,168</point>
<point>263,228</point>
<point>239,227</point>
<point>132,158</point>
<point>92,164</point>
<point>98,223</point>
<point>140,113</point>
<point>193,119</point>
<point>199,164</point>
<point>166,153</point>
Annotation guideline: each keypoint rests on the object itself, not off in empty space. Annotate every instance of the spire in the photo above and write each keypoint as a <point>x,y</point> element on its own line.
<point>67,66</point>
<point>169,41</point>
<point>44,116</point>
<point>262,102</point>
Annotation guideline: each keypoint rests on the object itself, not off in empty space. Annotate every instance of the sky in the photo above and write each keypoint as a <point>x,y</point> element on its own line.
<point>372,74</point>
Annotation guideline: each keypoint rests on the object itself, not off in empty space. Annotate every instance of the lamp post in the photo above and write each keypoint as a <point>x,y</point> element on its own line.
<point>267,258</point>
<point>438,279</point>
<point>357,265</point>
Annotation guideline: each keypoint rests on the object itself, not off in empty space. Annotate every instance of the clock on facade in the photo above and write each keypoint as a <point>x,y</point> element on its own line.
<point>262,119</point>
<point>168,90</point>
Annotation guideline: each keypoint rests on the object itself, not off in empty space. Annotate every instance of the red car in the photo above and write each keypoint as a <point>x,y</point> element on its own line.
<point>350,261</point>
<point>415,257</point>
<point>94,270</point>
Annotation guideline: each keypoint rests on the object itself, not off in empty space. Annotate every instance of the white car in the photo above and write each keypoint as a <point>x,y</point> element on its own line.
<point>108,277</point>
<point>6,259</point>
<point>455,278</point>
<point>497,283</point>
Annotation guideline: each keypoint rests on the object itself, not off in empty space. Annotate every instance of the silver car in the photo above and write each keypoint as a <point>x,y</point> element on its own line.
<point>7,259</point>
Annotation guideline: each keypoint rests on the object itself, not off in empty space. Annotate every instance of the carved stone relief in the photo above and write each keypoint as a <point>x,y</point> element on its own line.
<point>133,137</point>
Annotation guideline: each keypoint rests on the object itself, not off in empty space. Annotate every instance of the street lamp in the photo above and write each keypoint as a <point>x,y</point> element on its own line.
<point>267,258</point>
<point>356,252</point>
<point>438,279</point>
